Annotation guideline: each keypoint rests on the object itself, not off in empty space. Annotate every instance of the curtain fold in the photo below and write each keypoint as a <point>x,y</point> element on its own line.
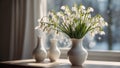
<point>25,14</point>
<point>29,30</point>
<point>17,28</point>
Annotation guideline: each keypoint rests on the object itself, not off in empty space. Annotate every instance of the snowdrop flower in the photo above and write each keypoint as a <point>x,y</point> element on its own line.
<point>59,14</point>
<point>102,33</point>
<point>82,7</point>
<point>106,24</point>
<point>74,9</point>
<point>69,13</point>
<point>63,7</point>
<point>83,11</point>
<point>101,19</point>
<point>45,19</point>
<point>90,9</point>
<point>89,16</point>
<point>37,27</point>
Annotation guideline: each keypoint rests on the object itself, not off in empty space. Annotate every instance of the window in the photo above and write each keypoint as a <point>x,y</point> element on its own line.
<point>102,47</point>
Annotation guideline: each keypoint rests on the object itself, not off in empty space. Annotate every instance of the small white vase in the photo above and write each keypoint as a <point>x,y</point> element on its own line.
<point>39,53</point>
<point>54,52</point>
<point>77,54</point>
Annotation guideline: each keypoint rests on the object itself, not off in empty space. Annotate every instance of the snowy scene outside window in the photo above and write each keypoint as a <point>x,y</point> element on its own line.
<point>109,9</point>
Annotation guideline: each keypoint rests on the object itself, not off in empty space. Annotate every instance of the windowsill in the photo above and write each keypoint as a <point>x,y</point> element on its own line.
<point>97,55</point>
<point>61,63</point>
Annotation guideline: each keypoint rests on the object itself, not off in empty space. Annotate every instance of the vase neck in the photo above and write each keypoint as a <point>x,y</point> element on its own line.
<point>53,43</point>
<point>77,43</point>
<point>39,42</point>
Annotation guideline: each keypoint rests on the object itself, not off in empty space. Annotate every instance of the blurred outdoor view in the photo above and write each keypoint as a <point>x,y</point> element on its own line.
<point>109,9</point>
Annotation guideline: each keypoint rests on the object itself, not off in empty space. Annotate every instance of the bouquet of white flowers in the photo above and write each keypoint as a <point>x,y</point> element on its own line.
<point>75,22</point>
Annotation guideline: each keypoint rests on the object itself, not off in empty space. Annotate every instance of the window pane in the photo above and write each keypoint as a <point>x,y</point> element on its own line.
<point>109,9</point>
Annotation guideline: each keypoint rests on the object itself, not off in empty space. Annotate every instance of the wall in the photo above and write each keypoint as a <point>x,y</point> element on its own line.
<point>5,21</point>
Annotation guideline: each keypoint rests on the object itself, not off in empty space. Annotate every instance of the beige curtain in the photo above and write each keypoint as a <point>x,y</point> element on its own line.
<point>24,18</point>
<point>17,28</point>
<point>29,30</point>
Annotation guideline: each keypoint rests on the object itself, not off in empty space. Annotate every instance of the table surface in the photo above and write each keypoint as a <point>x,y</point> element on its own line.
<point>61,63</point>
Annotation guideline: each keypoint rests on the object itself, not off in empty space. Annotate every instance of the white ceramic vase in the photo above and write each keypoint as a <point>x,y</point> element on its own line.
<point>54,52</point>
<point>77,54</point>
<point>39,53</point>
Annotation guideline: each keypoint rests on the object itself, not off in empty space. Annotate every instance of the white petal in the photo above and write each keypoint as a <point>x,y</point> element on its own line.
<point>63,7</point>
<point>102,33</point>
<point>82,7</point>
<point>37,27</point>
